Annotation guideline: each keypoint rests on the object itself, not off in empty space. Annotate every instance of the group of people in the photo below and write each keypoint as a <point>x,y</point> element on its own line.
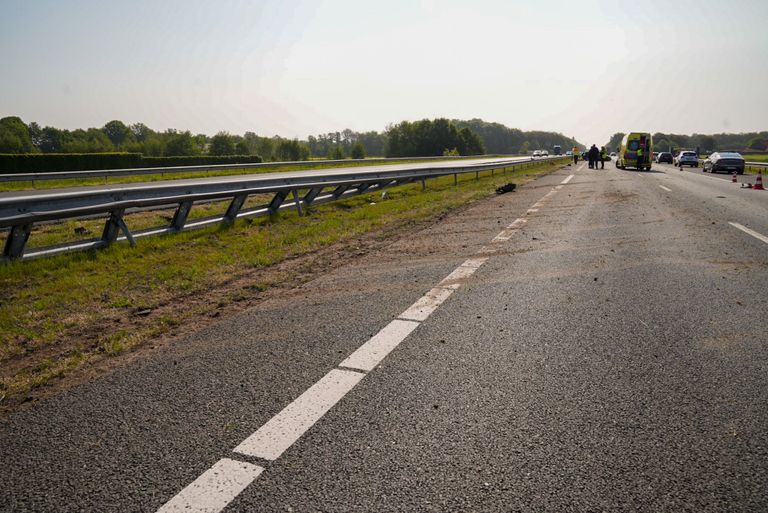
<point>594,156</point>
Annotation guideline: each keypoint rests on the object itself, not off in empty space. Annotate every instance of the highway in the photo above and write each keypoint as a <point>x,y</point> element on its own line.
<point>595,341</point>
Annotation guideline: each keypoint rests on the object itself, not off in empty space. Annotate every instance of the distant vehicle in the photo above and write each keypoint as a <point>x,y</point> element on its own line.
<point>537,153</point>
<point>569,153</point>
<point>544,153</point>
<point>613,154</point>
<point>664,156</point>
<point>724,161</point>
<point>632,142</point>
<point>687,158</point>
<point>557,150</point>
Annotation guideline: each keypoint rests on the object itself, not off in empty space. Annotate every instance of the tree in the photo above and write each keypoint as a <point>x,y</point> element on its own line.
<point>14,136</point>
<point>758,144</point>
<point>358,151</point>
<point>140,131</point>
<point>241,148</point>
<point>525,148</point>
<point>116,131</point>
<point>336,153</point>
<point>179,144</point>
<point>222,144</point>
<point>291,150</point>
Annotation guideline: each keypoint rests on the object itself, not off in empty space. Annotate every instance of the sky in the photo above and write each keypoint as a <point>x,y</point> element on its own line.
<point>292,68</point>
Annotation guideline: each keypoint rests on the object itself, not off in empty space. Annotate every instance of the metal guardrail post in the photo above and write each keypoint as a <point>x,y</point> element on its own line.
<point>297,201</point>
<point>16,241</point>
<point>310,196</point>
<point>234,207</point>
<point>180,216</point>
<point>340,190</point>
<point>112,228</point>
<point>274,205</point>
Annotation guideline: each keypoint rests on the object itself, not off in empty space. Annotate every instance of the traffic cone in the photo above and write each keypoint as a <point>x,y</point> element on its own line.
<point>759,181</point>
<point>733,179</point>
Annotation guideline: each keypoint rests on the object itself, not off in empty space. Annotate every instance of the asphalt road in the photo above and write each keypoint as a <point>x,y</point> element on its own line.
<point>598,345</point>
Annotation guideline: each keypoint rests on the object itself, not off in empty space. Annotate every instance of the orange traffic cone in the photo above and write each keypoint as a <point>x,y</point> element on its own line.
<point>733,179</point>
<point>759,181</point>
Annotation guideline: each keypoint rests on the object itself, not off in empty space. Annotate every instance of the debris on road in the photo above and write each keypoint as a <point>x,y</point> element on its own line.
<point>509,187</point>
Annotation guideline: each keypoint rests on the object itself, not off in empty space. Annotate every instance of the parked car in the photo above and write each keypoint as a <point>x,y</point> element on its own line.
<point>728,161</point>
<point>687,158</point>
<point>544,153</point>
<point>664,156</point>
<point>537,153</point>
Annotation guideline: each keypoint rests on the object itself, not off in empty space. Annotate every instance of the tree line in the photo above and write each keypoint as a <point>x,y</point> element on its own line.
<point>419,138</point>
<point>743,142</point>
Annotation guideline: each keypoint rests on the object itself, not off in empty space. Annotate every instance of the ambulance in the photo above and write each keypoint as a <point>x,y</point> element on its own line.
<point>630,145</point>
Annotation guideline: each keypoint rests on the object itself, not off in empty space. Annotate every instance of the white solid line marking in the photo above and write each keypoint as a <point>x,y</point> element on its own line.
<point>214,489</point>
<point>753,233</point>
<point>570,177</point>
<point>532,210</point>
<point>666,188</point>
<point>428,303</point>
<point>462,272</point>
<point>370,354</point>
<point>282,430</point>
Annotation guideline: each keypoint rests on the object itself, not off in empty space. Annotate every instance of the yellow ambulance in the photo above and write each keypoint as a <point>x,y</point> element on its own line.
<point>635,143</point>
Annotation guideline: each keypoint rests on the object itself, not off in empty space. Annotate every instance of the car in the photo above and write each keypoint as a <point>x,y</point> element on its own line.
<point>569,153</point>
<point>613,154</point>
<point>728,161</point>
<point>686,158</point>
<point>544,153</point>
<point>537,153</point>
<point>664,156</point>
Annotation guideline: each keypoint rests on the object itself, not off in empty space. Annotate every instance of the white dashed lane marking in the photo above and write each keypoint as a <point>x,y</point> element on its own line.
<point>215,488</point>
<point>370,354</point>
<point>570,177</point>
<point>282,430</point>
<point>753,233</point>
<point>666,188</point>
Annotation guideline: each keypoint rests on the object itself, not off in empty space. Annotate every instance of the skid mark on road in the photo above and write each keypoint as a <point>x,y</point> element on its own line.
<point>219,485</point>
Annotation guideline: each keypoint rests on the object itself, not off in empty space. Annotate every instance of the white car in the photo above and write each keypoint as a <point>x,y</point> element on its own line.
<point>687,158</point>
<point>544,153</point>
<point>537,153</point>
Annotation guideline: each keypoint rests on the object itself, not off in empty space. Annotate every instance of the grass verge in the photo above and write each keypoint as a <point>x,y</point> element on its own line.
<point>67,312</point>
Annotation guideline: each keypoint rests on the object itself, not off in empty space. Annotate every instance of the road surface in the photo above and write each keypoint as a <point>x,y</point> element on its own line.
<point>593,342</point>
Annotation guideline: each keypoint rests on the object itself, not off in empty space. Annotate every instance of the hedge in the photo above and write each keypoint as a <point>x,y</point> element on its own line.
<point>60,162</point>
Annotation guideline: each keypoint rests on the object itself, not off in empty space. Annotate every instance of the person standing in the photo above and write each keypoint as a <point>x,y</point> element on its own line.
<point>576,151</point>
<point>594,155</point>
<point>640,158</point>
<point>603,157</point>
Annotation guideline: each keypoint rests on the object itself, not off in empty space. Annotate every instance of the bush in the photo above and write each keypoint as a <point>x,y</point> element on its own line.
<point>61,162</point>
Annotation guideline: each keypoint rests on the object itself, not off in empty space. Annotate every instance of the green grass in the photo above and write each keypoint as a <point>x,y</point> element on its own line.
<point>51,184</point>
<point>62,312</point>
<point>751,157</point>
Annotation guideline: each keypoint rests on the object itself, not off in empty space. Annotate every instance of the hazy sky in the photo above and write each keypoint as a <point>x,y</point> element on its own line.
<point>586,69</point>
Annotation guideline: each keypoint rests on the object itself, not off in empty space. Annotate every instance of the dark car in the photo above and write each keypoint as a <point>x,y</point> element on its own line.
<point>728,161</point>
<point>664,156</point>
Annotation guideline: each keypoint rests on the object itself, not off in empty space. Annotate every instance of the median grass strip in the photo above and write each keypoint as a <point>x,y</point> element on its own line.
<point>66,312</point>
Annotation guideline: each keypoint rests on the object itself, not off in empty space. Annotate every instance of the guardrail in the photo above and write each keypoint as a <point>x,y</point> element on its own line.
<point>298,190</point>
<point>107,173</point>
